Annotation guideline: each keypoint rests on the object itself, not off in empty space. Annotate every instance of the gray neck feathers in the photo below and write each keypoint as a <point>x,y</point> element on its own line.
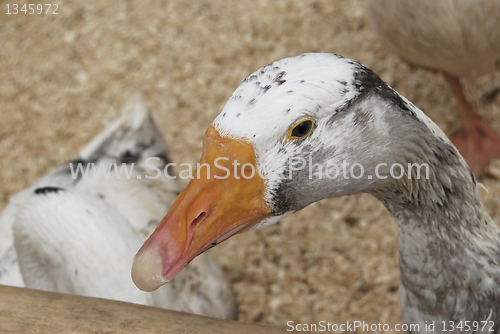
<point>448,245</point>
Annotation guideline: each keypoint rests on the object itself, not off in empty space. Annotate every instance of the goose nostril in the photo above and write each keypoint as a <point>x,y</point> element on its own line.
<point>198,220</point>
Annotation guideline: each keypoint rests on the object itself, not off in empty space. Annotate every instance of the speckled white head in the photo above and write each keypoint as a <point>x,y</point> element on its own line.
<point>354,117</point>
<point>281,93</point>
<point>348,103</point>
<point>276,97</point>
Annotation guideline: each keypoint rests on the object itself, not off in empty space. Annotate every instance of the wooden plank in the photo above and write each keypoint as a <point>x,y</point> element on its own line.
<point>25,310</point>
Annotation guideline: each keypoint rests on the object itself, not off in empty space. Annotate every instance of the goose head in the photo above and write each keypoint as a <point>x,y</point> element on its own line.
<point>306,126</point>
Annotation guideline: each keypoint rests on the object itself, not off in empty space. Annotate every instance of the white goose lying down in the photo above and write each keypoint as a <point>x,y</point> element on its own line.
<point>79,235</point>
<point>334,111</point>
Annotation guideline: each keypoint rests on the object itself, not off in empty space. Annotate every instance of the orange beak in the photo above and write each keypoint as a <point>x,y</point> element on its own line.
<point>220,201</point>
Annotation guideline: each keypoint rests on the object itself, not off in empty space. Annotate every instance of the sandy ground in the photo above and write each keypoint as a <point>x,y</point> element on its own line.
<point>63,75</point>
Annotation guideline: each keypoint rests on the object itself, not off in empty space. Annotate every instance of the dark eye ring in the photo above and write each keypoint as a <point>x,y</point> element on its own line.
<point>301,130</point>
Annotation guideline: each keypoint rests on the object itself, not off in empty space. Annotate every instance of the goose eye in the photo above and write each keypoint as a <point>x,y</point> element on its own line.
<point>301,130</point>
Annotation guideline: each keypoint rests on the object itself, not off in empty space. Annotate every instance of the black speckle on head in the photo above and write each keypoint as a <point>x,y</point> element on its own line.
<point>290,92</point>
<point>367,81</point>
<point>254,136</point>
<point>47,190</point>
<point>238,114</point>
<point>252,101</point>
<point>282,202</point>
<point>224,115</point>
<point>279,78</point>
<point>302,81</point>
<point>288,110</point>
<point>266,88</point>
<point>250,78</point>
<point>342,82</point>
